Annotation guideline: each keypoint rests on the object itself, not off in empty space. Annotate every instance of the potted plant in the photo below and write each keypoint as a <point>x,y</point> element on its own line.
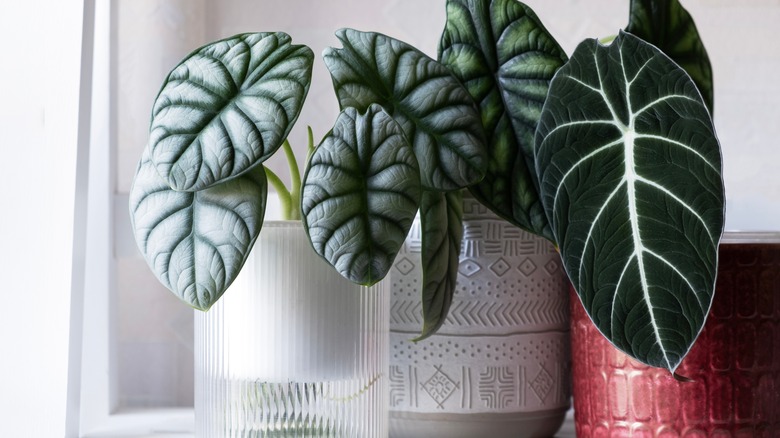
<point>197,207</point>
<point>620,167</point>
<point>627,166</point>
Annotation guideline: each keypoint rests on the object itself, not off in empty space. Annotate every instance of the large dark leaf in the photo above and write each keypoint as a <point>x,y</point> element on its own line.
<point>668,26</point>
<point>436,113</point>
<point>506,58</point>
<point>630,172</point>
<point>196,243</point>
<point>441,217</point>
<point>360,194</point>
<point>226,107</point>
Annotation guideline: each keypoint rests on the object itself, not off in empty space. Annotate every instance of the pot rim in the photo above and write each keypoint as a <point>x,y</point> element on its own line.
<point>732,237</point>
<point>282,223</point>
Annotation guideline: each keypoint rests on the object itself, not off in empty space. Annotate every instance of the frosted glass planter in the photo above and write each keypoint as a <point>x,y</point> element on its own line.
<point>292,349</point>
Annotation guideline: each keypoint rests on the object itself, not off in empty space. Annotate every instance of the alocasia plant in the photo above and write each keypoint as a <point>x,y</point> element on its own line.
<point>610,154</point>
<point>440,120</point>
<point>199,195</point>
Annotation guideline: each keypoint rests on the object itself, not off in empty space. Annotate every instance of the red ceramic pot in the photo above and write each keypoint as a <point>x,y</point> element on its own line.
<point>734,365</point>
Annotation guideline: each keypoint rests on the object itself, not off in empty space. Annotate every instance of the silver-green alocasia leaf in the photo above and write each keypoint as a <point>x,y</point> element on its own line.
<point>196,243</point>
<point>630,173</point>
<point>505,57</point>
<point>360,194</point>
<point>226,107</point>
<point>436,113</point>
<point>667,25</point>
<point>441,217</point>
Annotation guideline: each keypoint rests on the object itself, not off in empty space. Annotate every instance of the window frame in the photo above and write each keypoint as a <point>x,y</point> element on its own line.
<point>100,414</point>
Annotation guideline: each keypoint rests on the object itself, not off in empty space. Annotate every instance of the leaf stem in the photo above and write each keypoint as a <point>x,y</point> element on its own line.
<point>290,200</point>
<point>284,196</point>
<point>310,147</point>
<point>295,183</point>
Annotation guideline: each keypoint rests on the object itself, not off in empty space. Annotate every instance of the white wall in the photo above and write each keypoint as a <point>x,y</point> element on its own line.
<point>39,89</point>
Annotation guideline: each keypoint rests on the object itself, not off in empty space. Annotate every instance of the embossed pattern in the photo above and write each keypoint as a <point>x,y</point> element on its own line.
<point>503,348</point>
<point>734,365</point>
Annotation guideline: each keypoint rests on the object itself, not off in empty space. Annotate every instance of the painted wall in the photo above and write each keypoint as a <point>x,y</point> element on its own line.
<point>154,34</point>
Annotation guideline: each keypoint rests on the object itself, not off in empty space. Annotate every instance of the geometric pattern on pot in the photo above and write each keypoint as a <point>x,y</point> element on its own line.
<point>437,114</point>
<point>668,26</point>
<point>226,107</point>
<point>196,243</point>
<point>505,58</point>
<point>630,177</point>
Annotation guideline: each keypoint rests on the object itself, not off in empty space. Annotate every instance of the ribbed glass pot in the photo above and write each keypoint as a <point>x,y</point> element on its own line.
<point>292,349</point>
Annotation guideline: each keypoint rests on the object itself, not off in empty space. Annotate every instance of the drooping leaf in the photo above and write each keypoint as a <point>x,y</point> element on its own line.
<point>436,113</point>
<point>667,25</point>
<point>441,217</point>
<point>360,194</point>
<point>196,243</point>
<point>505,57</point>
<point>226,107</point>
<point>630,173</point>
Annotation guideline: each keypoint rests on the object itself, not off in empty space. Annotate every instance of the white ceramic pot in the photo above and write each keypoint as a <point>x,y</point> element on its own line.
<point>499,366</point>
<point>292,348</point>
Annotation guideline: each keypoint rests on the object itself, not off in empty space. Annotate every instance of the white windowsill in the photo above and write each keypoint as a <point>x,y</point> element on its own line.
<point>178,423</point>
<point>156,423</point>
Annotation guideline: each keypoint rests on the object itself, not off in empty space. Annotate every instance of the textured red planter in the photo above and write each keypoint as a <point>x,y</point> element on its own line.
<point>735,363</point>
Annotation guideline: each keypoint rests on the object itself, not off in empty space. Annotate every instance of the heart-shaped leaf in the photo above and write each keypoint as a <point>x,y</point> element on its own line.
<point>441,217</point>
<point>437,114</point>
<point>196,243</point>
<point>667,25</point>
<point>630,173</point>
<point>226,107</point>
<point>506,58</point>
<point>360,194</point>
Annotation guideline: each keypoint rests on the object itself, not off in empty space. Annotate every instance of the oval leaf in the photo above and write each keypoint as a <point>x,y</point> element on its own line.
<point>360,194</point>
<point>226,107</point>
<point>667,25</point>
<point>505,57</point>
<point>630,172</point>
<point>437,114</point>
<point>196,243</point>
<point>441,217</point>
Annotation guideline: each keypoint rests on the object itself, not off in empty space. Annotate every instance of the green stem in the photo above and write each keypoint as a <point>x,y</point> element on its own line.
<point>284,196</point>
<point>295,182</point>
<point>310,147</point>
<point>607,40</point>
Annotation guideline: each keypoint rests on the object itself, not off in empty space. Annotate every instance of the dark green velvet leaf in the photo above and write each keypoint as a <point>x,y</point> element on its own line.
<point>667,25</point>
<point>505,57</point>
<point>630,175</point>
